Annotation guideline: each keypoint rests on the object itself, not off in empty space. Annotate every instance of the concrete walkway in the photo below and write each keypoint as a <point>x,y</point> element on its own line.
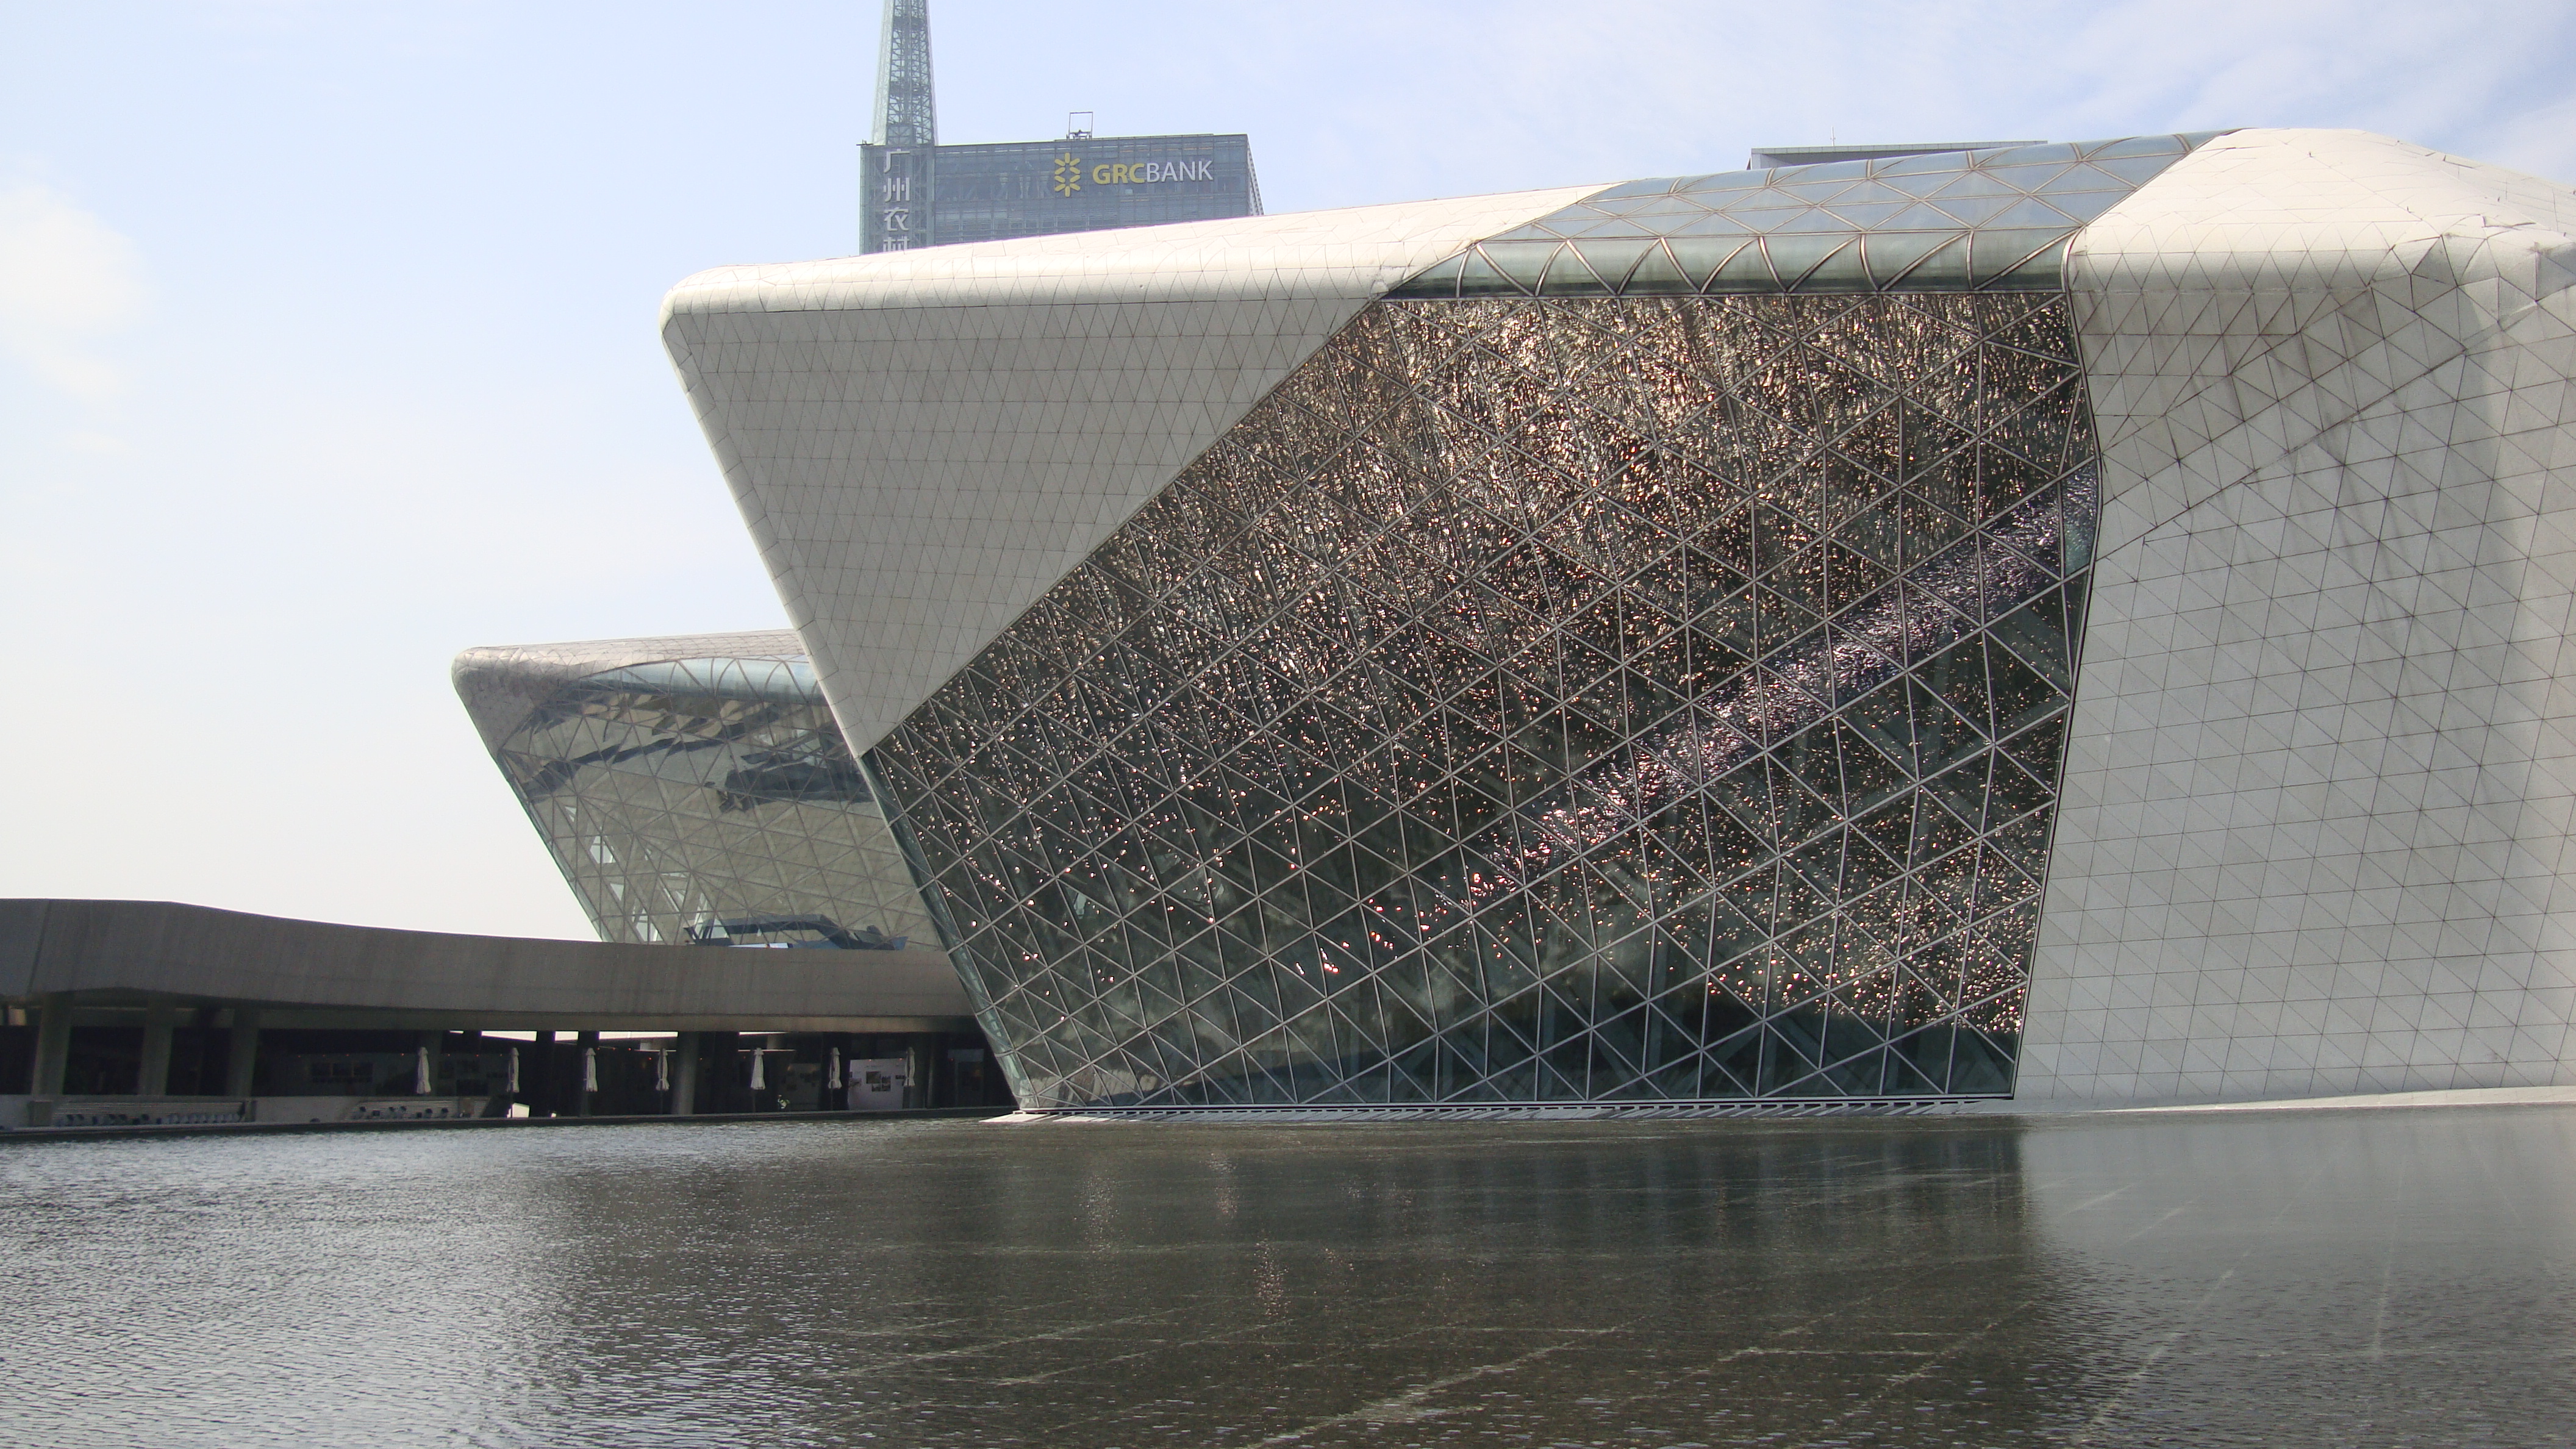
<point>255,1129</point>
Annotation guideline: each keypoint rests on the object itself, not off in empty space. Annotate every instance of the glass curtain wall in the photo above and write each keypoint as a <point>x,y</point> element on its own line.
<point>1545,698</point>
<point>713,800</point>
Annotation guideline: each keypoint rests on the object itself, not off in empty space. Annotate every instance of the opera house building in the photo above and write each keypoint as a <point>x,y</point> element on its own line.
<point>2074,624</point>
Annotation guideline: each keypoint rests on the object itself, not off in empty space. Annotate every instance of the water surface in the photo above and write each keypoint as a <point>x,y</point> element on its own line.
<point>2318,1277</point>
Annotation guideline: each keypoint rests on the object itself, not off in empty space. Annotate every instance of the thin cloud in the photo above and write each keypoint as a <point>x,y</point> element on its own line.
<point>1526,92</point>
<point>68,281</point>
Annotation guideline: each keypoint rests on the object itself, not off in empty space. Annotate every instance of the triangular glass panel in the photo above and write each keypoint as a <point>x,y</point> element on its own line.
<point>1520,264</point>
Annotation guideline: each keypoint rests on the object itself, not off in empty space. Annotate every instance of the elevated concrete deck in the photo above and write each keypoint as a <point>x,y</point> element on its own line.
<point>315,974</point>
<point>358,1012</point>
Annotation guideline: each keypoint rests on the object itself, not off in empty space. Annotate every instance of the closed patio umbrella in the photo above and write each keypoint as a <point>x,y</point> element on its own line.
<point>758,1080</point>
<point>661,1071</point>
<point>514,1072</point>
<point>420,1074</point>
<point>590,1069</point>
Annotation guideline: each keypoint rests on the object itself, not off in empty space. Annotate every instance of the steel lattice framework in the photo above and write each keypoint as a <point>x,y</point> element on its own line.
<point>679,792</point>
<point>907,113</point>
<point>1536,700</point>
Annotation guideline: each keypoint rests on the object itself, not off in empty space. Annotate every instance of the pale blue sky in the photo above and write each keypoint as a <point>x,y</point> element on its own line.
<point>326,329</point>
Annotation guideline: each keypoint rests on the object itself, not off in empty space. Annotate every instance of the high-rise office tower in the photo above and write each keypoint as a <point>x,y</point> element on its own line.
<point>918,193</point>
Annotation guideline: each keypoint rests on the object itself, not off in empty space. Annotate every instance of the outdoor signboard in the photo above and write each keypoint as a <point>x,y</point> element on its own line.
<point>917,196</point>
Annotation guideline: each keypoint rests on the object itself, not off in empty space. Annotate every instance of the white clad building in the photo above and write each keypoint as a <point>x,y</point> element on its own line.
<point>2069,623</point>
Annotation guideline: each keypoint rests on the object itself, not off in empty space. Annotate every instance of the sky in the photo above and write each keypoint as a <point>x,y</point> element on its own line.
<point>327,348</point>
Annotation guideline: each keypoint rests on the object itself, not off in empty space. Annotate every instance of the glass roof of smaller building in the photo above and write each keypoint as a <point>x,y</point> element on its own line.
<point>1949,221</point>
<point>778,680</point>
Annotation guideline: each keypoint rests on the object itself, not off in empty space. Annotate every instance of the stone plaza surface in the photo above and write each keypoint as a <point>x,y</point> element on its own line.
<point>2298,1277</point>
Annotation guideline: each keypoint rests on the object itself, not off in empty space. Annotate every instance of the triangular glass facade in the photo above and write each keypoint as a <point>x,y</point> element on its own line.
<point>712,799</point>
<point>1544,699</point>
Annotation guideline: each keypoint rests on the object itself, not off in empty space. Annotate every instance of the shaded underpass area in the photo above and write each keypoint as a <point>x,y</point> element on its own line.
<point>126,1014</point>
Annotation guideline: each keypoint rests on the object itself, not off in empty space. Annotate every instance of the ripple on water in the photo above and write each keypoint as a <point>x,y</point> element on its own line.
<point>2276,1278</point>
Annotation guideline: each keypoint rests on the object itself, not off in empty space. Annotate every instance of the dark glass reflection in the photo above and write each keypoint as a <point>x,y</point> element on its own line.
<point>1639,700</point>
<point>686,797</point>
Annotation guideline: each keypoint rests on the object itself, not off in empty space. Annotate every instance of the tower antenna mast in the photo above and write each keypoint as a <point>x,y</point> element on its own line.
<point>900,161</point>
<point>907,115</point>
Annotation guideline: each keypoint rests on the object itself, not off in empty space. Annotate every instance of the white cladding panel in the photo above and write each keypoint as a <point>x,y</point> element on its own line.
<point>2314,834</point>
<point>2321,783</point>
<point>924,442</point>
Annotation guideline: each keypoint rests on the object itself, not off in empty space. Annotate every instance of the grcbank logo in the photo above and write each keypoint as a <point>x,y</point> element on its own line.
<point>1145,173</point>
<point>1068,172</point>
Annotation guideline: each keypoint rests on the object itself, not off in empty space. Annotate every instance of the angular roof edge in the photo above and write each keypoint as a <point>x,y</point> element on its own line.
<point>1352,251</point>
<point>999,408</point>
<point>501,685</point>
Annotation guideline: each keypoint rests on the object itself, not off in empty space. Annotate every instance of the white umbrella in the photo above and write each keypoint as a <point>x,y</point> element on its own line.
<point>420,1075</point>
<point>758,1081</point>
<point>834,1075</point>
<point>661,1071</point>
<point>514,1072</point>
<point>590,1069</point>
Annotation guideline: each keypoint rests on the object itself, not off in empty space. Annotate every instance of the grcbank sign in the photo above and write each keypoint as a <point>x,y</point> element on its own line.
<point>1070,173</point>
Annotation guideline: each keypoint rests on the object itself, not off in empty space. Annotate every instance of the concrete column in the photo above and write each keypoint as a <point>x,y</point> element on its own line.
<point>53,1044</point>
<point>241,1052</point>
<point>581,1071</point>
<point>159,1018</point>
<point>684,1075</point>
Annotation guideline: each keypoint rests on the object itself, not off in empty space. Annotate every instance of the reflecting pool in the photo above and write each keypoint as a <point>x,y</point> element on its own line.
<point>2310,1277</point>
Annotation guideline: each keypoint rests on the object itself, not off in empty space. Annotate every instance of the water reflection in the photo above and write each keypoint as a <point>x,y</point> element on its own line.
<point>2309,1277</point>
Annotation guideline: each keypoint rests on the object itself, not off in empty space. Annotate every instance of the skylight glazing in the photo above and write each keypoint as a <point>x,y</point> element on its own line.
<point>1950,221</point>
